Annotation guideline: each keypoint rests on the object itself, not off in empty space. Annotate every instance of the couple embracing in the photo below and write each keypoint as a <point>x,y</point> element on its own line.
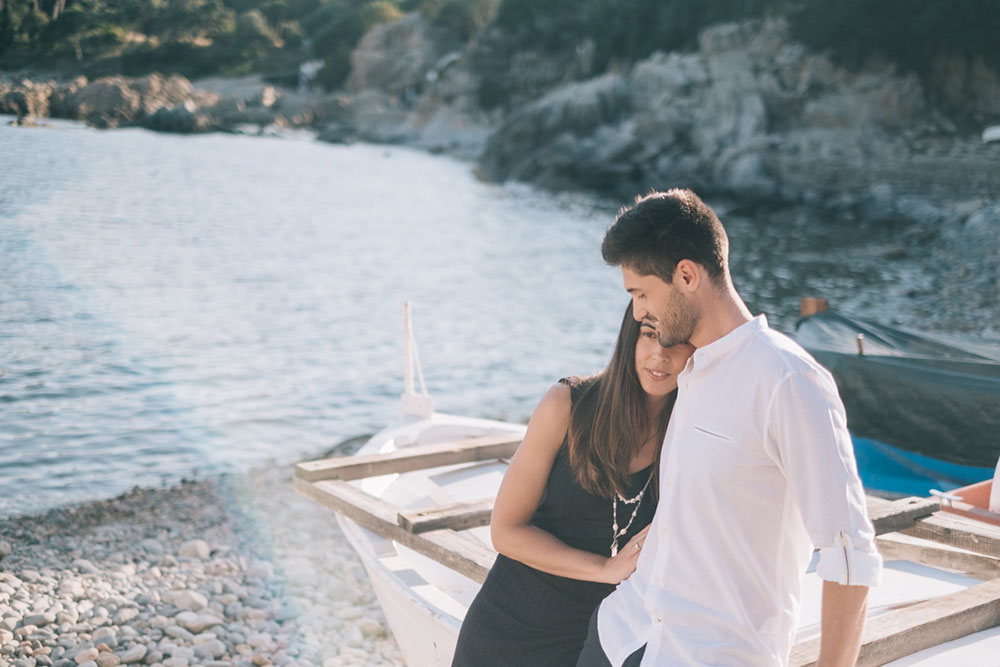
<point>663,511</point>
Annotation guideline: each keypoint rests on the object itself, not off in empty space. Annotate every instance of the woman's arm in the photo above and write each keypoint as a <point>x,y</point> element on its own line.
<point>521,491</point>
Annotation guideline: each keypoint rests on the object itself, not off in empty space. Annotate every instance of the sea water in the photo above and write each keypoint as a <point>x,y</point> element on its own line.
<point>174,306</point>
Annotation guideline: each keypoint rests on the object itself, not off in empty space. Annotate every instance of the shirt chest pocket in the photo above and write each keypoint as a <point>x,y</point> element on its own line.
<point>711,444</point>
<point>715,444</point>
<point>714,430</point>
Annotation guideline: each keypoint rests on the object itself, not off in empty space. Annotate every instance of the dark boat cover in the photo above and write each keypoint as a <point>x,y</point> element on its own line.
<point>934,395</point>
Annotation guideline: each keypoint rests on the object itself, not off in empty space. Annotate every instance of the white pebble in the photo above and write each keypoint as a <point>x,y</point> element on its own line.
<point>135,654</point>
<point>196,622</point>
<point>178,632</point>
<point>106,636</point>
<point>212,648</point>
<point>85,566</point>
<point>190,600</point>
<point>125,615</point>
<point>194,549</point>
<point>85,655</point>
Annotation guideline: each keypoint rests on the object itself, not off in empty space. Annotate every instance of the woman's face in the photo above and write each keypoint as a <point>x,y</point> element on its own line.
<point>657,366</point>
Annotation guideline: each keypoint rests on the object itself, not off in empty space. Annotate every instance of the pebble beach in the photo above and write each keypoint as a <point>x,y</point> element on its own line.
<point>231,570</point>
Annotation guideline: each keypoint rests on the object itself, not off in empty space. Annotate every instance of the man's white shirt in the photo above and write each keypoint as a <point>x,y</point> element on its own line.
<point>757,469</point>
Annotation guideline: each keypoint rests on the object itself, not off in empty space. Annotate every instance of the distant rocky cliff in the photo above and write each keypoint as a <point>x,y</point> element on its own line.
<point>750,115</point>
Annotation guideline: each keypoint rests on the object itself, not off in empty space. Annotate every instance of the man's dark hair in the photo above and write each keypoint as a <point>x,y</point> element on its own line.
<point>662,228</point>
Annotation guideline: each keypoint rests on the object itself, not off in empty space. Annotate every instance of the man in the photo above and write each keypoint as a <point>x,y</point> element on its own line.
<point>757,469</point>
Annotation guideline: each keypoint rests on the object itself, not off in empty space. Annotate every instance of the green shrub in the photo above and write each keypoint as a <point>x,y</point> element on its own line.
<point>102,39</point>
<point>336,67</point>
<point>34,26</point>
<point>464,17</point>
<point>333,27</point>
<point>378,11</point>
<point>620,29</point>
<point>492,93</point>
<point>252,33</point>
<point>338,27</point>
<point>177,57</point>
<point>910,34</point>
<point>6,27</point>
<point>245,33</point>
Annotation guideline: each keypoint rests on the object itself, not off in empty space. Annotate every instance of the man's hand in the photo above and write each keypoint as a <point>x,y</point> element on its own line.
<point>843,620</point>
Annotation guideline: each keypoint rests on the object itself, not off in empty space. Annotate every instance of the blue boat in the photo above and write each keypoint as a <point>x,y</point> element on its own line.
<point>924,410</point>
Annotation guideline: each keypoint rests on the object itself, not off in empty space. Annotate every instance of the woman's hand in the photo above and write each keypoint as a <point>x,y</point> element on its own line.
<point>618,568</point>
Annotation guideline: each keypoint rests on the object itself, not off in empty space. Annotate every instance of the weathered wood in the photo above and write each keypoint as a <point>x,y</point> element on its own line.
<point>970,564</point>
<point>951,529</point>
<point>417,457</point>
<point>889,517</point>
<point>458,516</point>
<point>917,627</point>
<point>458,552</point>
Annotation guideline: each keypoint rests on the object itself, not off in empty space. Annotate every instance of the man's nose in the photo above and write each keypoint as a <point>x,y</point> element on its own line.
<point>638,311</point>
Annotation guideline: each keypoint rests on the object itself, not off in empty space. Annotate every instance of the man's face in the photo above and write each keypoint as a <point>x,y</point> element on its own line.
<point>663,305</point>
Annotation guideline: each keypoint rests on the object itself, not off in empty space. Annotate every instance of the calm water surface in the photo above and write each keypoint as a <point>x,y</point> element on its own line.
<point>175,306</point>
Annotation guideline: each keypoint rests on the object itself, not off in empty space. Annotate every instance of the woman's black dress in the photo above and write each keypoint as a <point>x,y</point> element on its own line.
<point>522,616</point>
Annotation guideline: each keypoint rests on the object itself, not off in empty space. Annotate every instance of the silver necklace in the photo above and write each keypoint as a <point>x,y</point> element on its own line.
<point>636,500</point>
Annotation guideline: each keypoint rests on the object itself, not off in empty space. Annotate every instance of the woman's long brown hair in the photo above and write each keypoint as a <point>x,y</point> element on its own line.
<point>609,421</point>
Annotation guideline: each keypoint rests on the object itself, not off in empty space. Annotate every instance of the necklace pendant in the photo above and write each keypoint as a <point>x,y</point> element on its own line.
<point>614,549</point>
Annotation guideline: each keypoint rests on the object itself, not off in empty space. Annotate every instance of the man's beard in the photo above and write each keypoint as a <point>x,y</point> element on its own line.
<point>678,325</point>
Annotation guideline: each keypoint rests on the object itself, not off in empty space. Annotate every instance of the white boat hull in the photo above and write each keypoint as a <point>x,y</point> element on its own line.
<point>425,601</point>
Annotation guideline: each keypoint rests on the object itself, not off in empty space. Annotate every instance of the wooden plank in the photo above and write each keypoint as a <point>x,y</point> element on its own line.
<point>417,457</point>
<point>458,516</point>
<point>458,552</point>
<point>951,529</point>
<point>970,564</point>
<point>889,517</point>
<point>917,627</point>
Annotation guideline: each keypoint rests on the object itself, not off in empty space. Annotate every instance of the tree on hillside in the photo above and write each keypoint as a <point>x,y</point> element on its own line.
<point>187,19</point>
<point>6,26</point>
<point>58,7</point>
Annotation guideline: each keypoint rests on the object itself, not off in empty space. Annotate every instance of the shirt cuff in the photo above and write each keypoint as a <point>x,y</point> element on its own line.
<point>845,565</point>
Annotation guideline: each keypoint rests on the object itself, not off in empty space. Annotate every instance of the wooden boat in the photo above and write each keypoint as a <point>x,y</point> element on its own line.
<point>924,410</point>
<point>415,503</point>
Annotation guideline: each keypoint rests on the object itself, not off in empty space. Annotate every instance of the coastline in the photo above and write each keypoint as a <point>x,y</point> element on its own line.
<point>750,116</point>
<point>230,570</point>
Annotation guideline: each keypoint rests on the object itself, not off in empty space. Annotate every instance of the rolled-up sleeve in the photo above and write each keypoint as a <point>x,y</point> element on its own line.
<point>808,440</point>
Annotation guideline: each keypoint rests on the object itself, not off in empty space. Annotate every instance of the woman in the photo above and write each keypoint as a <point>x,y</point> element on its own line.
<point>573,507</point>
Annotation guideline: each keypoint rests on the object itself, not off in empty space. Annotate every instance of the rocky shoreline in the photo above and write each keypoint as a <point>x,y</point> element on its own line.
<point>233,570</point>
<point>751,116</point>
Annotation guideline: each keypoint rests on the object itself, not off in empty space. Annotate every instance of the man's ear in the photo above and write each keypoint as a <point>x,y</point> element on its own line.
<point>687,275</point>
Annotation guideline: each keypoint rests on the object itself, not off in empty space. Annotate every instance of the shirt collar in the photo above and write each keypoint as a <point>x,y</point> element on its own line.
<point>721,346</point>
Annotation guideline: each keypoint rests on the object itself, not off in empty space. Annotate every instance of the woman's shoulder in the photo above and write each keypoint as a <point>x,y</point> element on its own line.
<point>578,385</point>
<point>552,416</point>
<point>557,401</point>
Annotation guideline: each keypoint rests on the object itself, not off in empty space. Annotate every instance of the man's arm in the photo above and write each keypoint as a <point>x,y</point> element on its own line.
<point>842,622</point>
<point>810,443</point>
